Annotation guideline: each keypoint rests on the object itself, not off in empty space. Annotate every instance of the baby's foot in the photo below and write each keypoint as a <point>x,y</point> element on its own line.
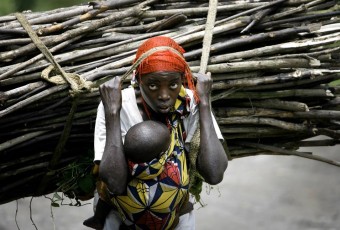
<point>94,223</point>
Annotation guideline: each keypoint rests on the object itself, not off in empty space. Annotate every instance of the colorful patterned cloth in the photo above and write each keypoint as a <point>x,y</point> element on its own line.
<point>158,188</point>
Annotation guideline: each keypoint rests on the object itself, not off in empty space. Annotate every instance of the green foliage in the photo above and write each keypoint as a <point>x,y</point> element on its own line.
<point>76,180</point>
<point>335,83</point>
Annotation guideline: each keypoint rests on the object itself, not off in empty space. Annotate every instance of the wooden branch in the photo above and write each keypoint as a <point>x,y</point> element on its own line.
<point>276,104</point>
<point>278,94</point>
<point>6,56</point>
<point>287,152</point>
<point>199,11</point>
<point>50,17</point>
<point>289,63</point>
<point>32,99</point>
<point>301,8</point>
<point>36,58</point>
<point>99,8</point>
<point>18,140</point>
<point>278,49</point>
<point>279,78</point>
<point>247,40</point>
<point>264,121</point>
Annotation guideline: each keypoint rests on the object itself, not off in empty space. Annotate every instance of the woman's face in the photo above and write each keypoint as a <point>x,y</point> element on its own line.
<point>160,90</point>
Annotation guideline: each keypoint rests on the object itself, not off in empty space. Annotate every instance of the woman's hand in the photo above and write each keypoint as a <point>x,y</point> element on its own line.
<point>203,86</point>
<point>111,95</point>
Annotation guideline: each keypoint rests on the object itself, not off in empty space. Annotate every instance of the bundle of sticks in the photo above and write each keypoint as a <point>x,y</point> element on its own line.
<point>275,67</point>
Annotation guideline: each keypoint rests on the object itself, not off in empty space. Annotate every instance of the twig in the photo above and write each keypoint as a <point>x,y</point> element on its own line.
<point>200,11</point>
<point>16,214</point>
<point>20,139</point>
<point>99,8</point>
<point>287,152</point>
<point>264,121</point>
<point>303,93</point>
<point>32,99</point>
<point>36,58</point>
<point>31,218</point>
<point>280,48</point>
<point>260,7</point>
<point>76,32</point>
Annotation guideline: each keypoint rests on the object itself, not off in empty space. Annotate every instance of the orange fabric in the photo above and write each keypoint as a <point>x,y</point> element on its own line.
<point>164,60</point>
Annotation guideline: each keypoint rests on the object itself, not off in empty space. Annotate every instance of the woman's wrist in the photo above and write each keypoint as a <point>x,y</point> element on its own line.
<point>204,104</point>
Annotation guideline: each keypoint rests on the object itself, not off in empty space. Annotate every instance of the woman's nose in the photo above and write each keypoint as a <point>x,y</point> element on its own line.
<point>163,95</point>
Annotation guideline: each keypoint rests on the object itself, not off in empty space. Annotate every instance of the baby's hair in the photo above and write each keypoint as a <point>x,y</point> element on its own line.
<point>146,140</point>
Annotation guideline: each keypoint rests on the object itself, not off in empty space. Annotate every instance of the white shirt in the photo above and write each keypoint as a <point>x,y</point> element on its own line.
<point>130,115</point>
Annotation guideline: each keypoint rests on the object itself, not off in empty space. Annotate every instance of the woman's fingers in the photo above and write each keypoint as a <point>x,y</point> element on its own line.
<point>111,95</point>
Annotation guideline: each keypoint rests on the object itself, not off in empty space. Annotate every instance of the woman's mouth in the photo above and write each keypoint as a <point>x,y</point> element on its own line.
<point>164,109</point>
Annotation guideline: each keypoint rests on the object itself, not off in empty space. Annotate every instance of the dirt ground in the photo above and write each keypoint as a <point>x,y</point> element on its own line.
<point>262,192</point>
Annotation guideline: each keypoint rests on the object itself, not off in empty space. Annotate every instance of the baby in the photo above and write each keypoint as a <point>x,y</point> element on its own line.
<point>144,142</point>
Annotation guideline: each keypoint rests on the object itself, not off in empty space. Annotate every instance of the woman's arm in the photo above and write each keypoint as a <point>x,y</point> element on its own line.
<point>212,160</point>
<point>113,167</point>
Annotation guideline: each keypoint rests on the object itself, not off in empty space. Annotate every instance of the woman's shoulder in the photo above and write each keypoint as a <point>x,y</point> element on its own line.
<point>130,114</point>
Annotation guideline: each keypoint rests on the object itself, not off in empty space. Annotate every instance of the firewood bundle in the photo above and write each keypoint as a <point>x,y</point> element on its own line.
<point>275,66</point>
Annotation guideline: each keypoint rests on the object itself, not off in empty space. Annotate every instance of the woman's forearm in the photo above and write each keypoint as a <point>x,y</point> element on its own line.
<point>212,160</point>
<point>113,167</point>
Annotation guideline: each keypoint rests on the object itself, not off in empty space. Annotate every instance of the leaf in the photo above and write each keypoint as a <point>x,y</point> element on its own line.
<point>56,205</point>
<point>56,195</point>
<point>87,183</point>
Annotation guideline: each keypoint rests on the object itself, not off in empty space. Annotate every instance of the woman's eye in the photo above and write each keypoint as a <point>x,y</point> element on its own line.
<point>174,86</point>
<point>152,87</point>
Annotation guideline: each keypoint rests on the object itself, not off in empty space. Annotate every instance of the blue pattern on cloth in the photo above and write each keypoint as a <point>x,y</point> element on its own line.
<point>158,188</point>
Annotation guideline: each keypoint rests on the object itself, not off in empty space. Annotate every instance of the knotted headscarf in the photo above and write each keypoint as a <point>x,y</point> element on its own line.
<point>169,57</point>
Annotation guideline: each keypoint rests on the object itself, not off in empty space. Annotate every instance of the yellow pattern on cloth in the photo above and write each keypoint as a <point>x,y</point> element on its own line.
<point>158,188</point>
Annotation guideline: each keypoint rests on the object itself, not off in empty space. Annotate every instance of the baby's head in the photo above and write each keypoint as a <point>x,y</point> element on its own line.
<point>146,140</point>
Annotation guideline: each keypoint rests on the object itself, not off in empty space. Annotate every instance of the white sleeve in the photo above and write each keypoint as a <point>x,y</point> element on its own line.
<point>99,133</point>
<point>190,123</point>
<point>129,116</point>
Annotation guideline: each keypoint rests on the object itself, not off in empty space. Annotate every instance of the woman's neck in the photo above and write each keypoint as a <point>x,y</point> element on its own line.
<point>146,112</point>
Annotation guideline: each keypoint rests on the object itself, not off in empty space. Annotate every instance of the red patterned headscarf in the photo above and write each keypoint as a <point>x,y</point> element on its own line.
<point>169,58</point>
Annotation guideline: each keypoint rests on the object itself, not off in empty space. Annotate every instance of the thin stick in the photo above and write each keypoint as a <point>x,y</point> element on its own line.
<point>18,140</point>
<point>199,11</point>
<point>303,7</point>
<point>264,121</point>
<point>287,152</point>
<point>50,17</point>
<point>99,8</point>
<point>76,32</point>
<point>16,214</point>
<point>303,93</point>
<point>32,99</point>
<point>38,57</point>
<point>31,217</point>
<point>280,48</point>
<point>251,10</point>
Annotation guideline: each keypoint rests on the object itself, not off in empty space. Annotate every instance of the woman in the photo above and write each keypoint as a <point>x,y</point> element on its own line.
<point>158,95</point>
